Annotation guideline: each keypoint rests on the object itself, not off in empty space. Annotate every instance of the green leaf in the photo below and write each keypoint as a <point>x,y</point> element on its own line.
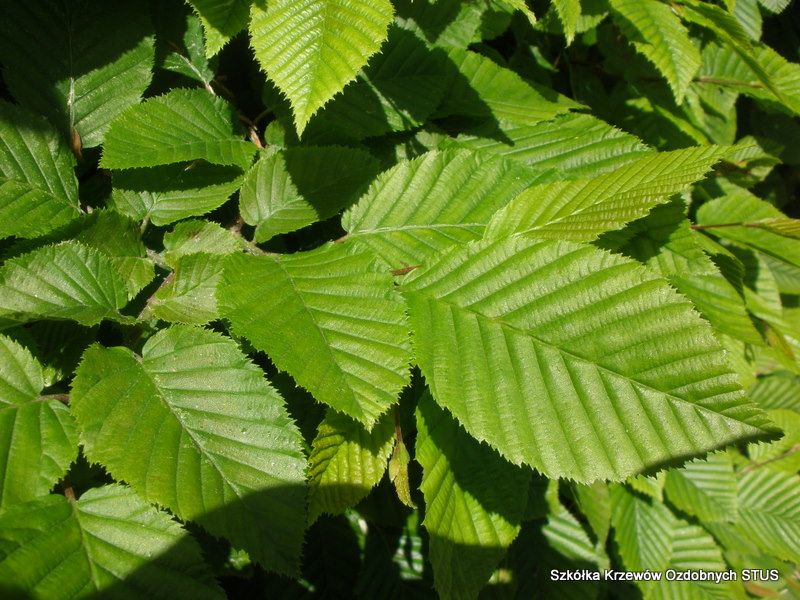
<point>779,225</point>
<point>398,473</point>
<point>193,63</point>
<point>118,237</point>
<point>474,501</point>
<point>582,209</point>
<point>109,542</point>
<point>739,206</point>
<point>649,537</point>
<point>769,511</point>
<point>38,440</point>
<point>664,242</point>
<point>61,61</point>
<point>775,6</point>
<point>189,293</point>
<point>782,454</point>
<point>169,193</point>
<point>423,206</point>
<point>656,31</point>
<point>288,190</point>
<point>704,488</point>
<point>346,462</point>
<point>38,189</point>
<point>521,6</point>
<point>329,318</point>
<point>178,126</point>
<point>571,146</point>
<point>569,11</point>
<point>574,361</point>
<point>594,502</point>
<point>197,235</point>
<point>65,281</point>
<point>217,448</point>
<point>222,19</point>
<point>481,88</point>
<point>780,77</point>
<point>777,390</point>
<point>312,48</point>
<point>399,88</point>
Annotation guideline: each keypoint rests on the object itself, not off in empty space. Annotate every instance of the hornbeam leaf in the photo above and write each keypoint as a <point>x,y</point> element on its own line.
<point>178,126</point>
<point>312,48</point>
<point>346,462</point>
<point>650,538</point>
<point>189,295</point>
<point>38,440</point>
<point>192,425</point>
<point>68,68</point>
<point>482,88</point>
<point>189,237</point>
<point>574,361</point>
<point>582,209</point>
<point>329,318</point>
<point>222,19</point>
<point>289,190</point>
<point>38,189</point>
<point>769,511</point>
<point>65,281</point>
<point>110,543</point>
<point>423,206</point>
<point>657,32</point>
<point>704,488</point>
<point>474,502</point>
<point>740,206</point>
<point>168,193</point>
<point>569,11</point>
<point>571,146</point>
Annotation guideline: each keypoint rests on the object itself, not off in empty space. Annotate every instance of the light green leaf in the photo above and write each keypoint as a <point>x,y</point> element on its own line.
<point>657,32</point>
<point>740,206</point>
<point>571,146</point>
<point>582,209</point>
<point>565,534</point>
<point>197,235</point>
<point>68,68</point>
<point>775,6</point>
<point>780,225</point>
<point>288,190</point>
<point>219,449</point>
<point>769,510</point>
<point>65,281</point>
<point>312,48</point>
<point>189,295</point>
<point>178,126</point>
<point>649,537</point>
<point>447,24</point>
<point>521,6</point>
<point>777,390</point>
<point>346,462</point>
<point>398,473</point>
<point>222,19</point>
<point>749,16</point>
<point>329,318</point>
<point>108,542</point>
<point>569,11</point>
<point>704,488</point>
<point>423,206</point>
<point>38,440</point>
<point>782,454</point>
<point>193,62</point>
<point>474,501</point>
<point>482,88</point>
<point>611,371</point>
<point>169,193</point>
<point>38,189</point>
